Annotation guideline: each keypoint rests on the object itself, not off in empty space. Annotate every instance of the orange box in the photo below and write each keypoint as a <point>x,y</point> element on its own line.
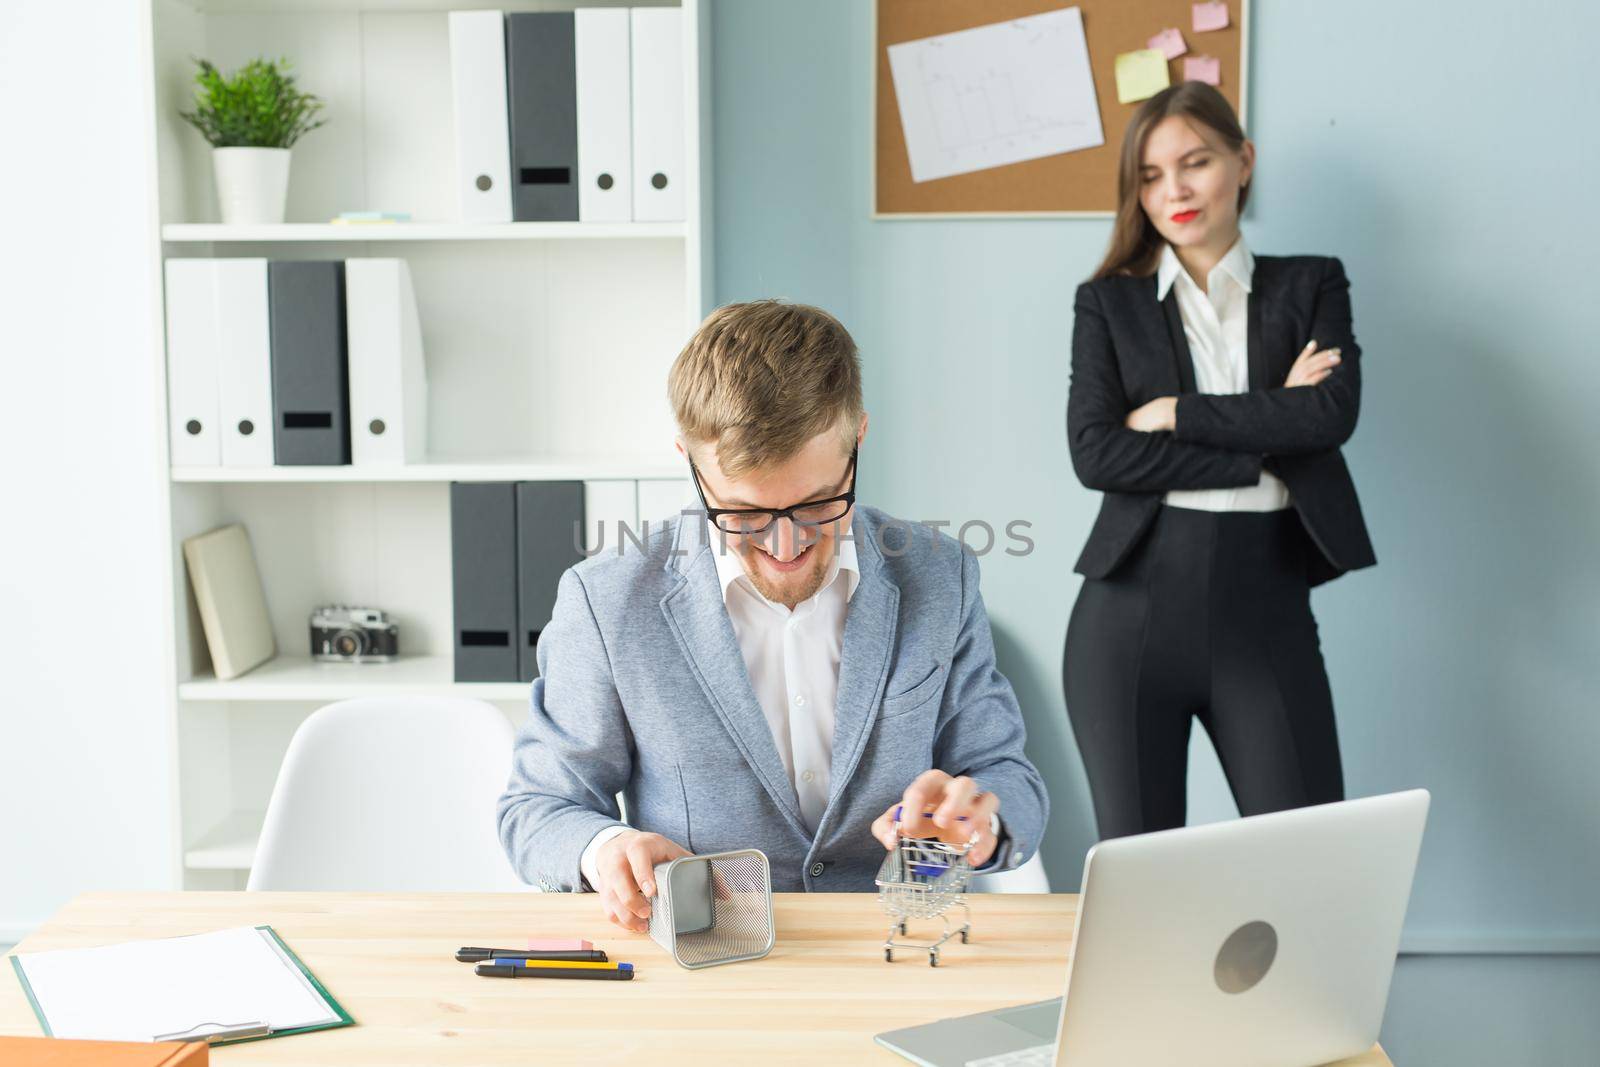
<point>64,1052</point>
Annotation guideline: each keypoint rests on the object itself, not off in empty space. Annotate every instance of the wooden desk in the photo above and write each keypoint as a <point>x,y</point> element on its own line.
<point>389,959</point>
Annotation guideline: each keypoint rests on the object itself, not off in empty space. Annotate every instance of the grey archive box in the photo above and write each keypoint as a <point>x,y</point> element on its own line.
<point>714,909</point>
<point>549,527</point>
<point>542,94</point>
<point>483,571</point>
<point>310,363</point>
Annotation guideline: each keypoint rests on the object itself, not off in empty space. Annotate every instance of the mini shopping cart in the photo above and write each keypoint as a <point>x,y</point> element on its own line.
<point>922,878</point>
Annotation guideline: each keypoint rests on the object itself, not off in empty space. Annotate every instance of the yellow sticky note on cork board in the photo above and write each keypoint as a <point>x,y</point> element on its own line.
<point>1140,75</point>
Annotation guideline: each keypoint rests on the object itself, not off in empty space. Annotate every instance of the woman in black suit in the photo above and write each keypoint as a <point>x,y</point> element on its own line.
<point>1211,390</point>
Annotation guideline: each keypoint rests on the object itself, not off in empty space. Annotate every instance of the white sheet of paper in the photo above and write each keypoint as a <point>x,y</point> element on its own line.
<point>996,94</point>
<point>136,990</point>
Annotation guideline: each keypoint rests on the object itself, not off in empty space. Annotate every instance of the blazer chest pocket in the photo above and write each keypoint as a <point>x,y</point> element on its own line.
<point>913,699</point>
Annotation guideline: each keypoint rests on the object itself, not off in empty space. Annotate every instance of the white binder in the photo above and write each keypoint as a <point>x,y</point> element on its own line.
<point>661,499</point>
<point>388,377</point>
<point>244,370</point>
<point>192,344</point>
<point>483,145</point>
<point>658,92</point>
<point>605,151</point>
<point>607,507</point>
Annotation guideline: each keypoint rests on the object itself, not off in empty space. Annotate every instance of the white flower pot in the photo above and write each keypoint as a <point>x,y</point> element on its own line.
<point>252,183</point>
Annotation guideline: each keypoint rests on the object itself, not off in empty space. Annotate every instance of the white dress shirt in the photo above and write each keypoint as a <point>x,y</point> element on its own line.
<point>1216,324</point>
<point>793,661</point>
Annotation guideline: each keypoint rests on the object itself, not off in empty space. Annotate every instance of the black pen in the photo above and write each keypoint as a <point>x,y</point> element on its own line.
<point>622,972</point>
<point>588,955</point>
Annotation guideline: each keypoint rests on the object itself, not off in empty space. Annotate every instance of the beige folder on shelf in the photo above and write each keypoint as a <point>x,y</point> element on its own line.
<point>233,609</point>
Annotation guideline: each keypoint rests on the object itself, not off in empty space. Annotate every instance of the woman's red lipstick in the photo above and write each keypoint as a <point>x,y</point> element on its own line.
<point>1184,216</point>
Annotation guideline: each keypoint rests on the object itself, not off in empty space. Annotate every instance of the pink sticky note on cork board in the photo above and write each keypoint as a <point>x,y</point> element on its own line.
<point>1169,42</point>
<point>1206,69</point>
<point>1210,16</point>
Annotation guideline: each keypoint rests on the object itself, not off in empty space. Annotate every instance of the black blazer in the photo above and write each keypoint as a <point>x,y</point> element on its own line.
<point>1129,348</point>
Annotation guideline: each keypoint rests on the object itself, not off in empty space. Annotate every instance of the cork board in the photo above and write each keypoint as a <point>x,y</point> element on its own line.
<point>1083,182</point>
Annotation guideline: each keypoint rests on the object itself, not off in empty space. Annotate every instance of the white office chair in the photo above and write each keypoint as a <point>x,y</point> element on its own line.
<point>390,793</point>
<point>1031,877</point>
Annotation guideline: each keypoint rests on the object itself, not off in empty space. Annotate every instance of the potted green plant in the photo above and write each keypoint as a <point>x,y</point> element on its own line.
<point>251,120</point>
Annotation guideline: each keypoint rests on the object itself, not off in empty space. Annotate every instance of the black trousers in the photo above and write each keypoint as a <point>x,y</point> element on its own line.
<point>1208,618</point>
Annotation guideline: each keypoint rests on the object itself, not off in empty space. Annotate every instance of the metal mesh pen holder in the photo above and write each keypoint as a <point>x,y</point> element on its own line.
<point>713,909</point>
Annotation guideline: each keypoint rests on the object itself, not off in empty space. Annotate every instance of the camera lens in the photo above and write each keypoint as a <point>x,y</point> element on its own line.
<point>349,642</point>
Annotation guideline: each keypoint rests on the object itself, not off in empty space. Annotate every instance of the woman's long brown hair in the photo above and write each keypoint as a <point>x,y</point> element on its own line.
<point>1135,243</point>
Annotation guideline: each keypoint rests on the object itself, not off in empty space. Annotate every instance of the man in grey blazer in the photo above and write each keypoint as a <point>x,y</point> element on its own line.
<point>781,671</point>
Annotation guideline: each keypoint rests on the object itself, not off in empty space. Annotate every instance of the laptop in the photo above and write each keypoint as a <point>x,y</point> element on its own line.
<point>1268,941</point>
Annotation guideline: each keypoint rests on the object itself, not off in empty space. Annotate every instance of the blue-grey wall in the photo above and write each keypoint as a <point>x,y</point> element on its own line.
<point>1448,155</point>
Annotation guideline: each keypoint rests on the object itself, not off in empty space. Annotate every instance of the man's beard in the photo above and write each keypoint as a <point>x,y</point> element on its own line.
<point>789,595</point>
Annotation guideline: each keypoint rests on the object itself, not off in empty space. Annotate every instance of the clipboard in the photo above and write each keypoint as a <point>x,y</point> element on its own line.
<point>226,1031</point>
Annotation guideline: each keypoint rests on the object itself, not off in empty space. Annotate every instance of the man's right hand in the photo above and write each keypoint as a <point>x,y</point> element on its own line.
<point>626,866</point>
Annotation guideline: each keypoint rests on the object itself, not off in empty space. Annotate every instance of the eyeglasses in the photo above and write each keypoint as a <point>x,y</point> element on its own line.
<point>810,513</point>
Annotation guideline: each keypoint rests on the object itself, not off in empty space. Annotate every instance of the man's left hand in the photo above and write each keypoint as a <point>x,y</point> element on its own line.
<point>954,810</point>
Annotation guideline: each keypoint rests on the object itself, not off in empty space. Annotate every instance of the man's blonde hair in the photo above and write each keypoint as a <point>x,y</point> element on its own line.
<point>761,379</point>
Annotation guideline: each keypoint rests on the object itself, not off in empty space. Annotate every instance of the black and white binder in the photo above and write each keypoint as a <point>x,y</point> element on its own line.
<point>658,116</point>
<point>478,89</point>
<point>192,349</point>
<point>388,377</point>
<point>541,86</point>
<point>550,521</point>
<point>664,499</point>
<point>244,362</point>
<point>310,364</point>
<point>605,148</point>
<point>483,566</point>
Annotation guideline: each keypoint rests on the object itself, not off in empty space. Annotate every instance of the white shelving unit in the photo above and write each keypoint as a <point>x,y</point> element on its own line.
<point>229,846</point>
<point>547,347</point>
<point>299,678</point>
<point>503,471</point>
<point>217,233</point>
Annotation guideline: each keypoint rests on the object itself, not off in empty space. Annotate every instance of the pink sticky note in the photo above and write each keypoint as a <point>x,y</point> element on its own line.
<point>1169,42</point>
<point>1210,16</point>
<point>557,944</point>
<point>1206,69</point>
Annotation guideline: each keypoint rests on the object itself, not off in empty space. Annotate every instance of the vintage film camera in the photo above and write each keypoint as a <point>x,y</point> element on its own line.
<point>341,634</point>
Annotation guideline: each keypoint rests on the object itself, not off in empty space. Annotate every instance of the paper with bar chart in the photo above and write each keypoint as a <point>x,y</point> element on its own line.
<point>996,94</point>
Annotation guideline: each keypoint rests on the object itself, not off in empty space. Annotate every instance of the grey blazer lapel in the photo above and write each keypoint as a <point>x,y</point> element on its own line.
<point>869,638</point>
<point>698,617</point>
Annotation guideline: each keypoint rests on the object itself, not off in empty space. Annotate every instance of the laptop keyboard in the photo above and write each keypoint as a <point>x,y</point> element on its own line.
<point>1038,1056</point>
